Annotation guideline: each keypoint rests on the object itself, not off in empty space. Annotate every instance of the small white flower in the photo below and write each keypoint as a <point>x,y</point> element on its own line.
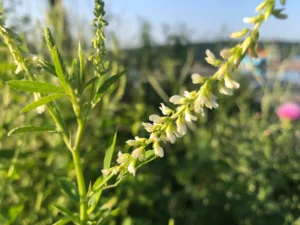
<point>148,127</point>
<point>189,95</point>
<point>137,152</point>
<point>181,127</point>
<point>41,108</point>
<point>223,89</point>
<point>211,59</point>
<point>158,150</point>
<point>229,83</point>
<point>115,170</point>
<point>249,20</point>
<point>207,99</point>
<point>34,58</point>
<point>240,34</point>
<point>156,119</point>
<point>211,102</point>
<point>154,137</point>
<point>188,116</point>
<point>106,172</point>
<point>177,99</point>
<point>165,110</point>
<point>170,134</point>
<point>198,109</point>
<point>226,53</point>
<point>131,142</point>
<point>197,78</point>
<point>210,54</point>
<point>122,158</point>
<point>131,168</point>
<point>19,68</point>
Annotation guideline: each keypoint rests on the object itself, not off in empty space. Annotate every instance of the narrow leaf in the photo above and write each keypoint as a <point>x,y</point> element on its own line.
<point>81,64</point>
<point>93,201</point>
<point>66,212</point>
<point>62,221</point>
<point>109,152</point>
<point>69,188</point>
<point>34,86</point>
<point>110,81</point>
<point>41,101</point>
<point>48,67</point>
<point>25,129</point>
<point>92,80</point>
<point>59,68</point>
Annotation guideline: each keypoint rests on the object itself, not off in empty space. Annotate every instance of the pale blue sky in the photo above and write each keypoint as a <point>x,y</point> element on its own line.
<point>207,19</point>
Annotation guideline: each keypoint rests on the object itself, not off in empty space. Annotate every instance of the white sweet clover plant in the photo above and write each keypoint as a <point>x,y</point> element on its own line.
<point>172,124</point>
<point>165,128</point>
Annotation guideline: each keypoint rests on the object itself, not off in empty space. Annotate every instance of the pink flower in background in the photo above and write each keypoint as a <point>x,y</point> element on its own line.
<point>289,111</point>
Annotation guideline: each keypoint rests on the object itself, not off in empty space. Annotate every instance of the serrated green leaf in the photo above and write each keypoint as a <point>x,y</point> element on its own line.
<point>110,81</point>
<point>25,129</point>
<point>59,68</point>
<point>34,86</point>
<point>66,212</point>
<point>109,152</point>
<point>41,101</point>
<point>69,188</point>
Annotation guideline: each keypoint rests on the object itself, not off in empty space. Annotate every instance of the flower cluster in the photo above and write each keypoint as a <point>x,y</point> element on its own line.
<point>173,123</point>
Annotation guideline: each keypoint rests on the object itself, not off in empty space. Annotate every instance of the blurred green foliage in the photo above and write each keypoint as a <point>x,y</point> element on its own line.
<point>238,165</point>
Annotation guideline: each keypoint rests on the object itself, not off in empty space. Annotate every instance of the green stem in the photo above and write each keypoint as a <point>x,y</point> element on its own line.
<point>81,186</point>
<point>79,171</point>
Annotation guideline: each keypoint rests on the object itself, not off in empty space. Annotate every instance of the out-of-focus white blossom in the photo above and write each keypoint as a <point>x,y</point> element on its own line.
<point>181,127</point>
<point>131,168</point>
<point>177,100</point>
<point>158,150</point>
<point>231,84</point>
<point>165,110</point>
<point>122,158</point>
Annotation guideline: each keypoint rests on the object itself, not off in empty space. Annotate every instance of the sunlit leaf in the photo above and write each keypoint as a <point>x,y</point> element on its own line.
<point>34,86</point>
<point>109,152</point>
<point>41,101</point>
<point>25,129</point>
<point>59,68</point>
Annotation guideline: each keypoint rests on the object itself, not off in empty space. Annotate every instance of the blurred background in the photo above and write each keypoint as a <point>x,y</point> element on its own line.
<point>238,165</point>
